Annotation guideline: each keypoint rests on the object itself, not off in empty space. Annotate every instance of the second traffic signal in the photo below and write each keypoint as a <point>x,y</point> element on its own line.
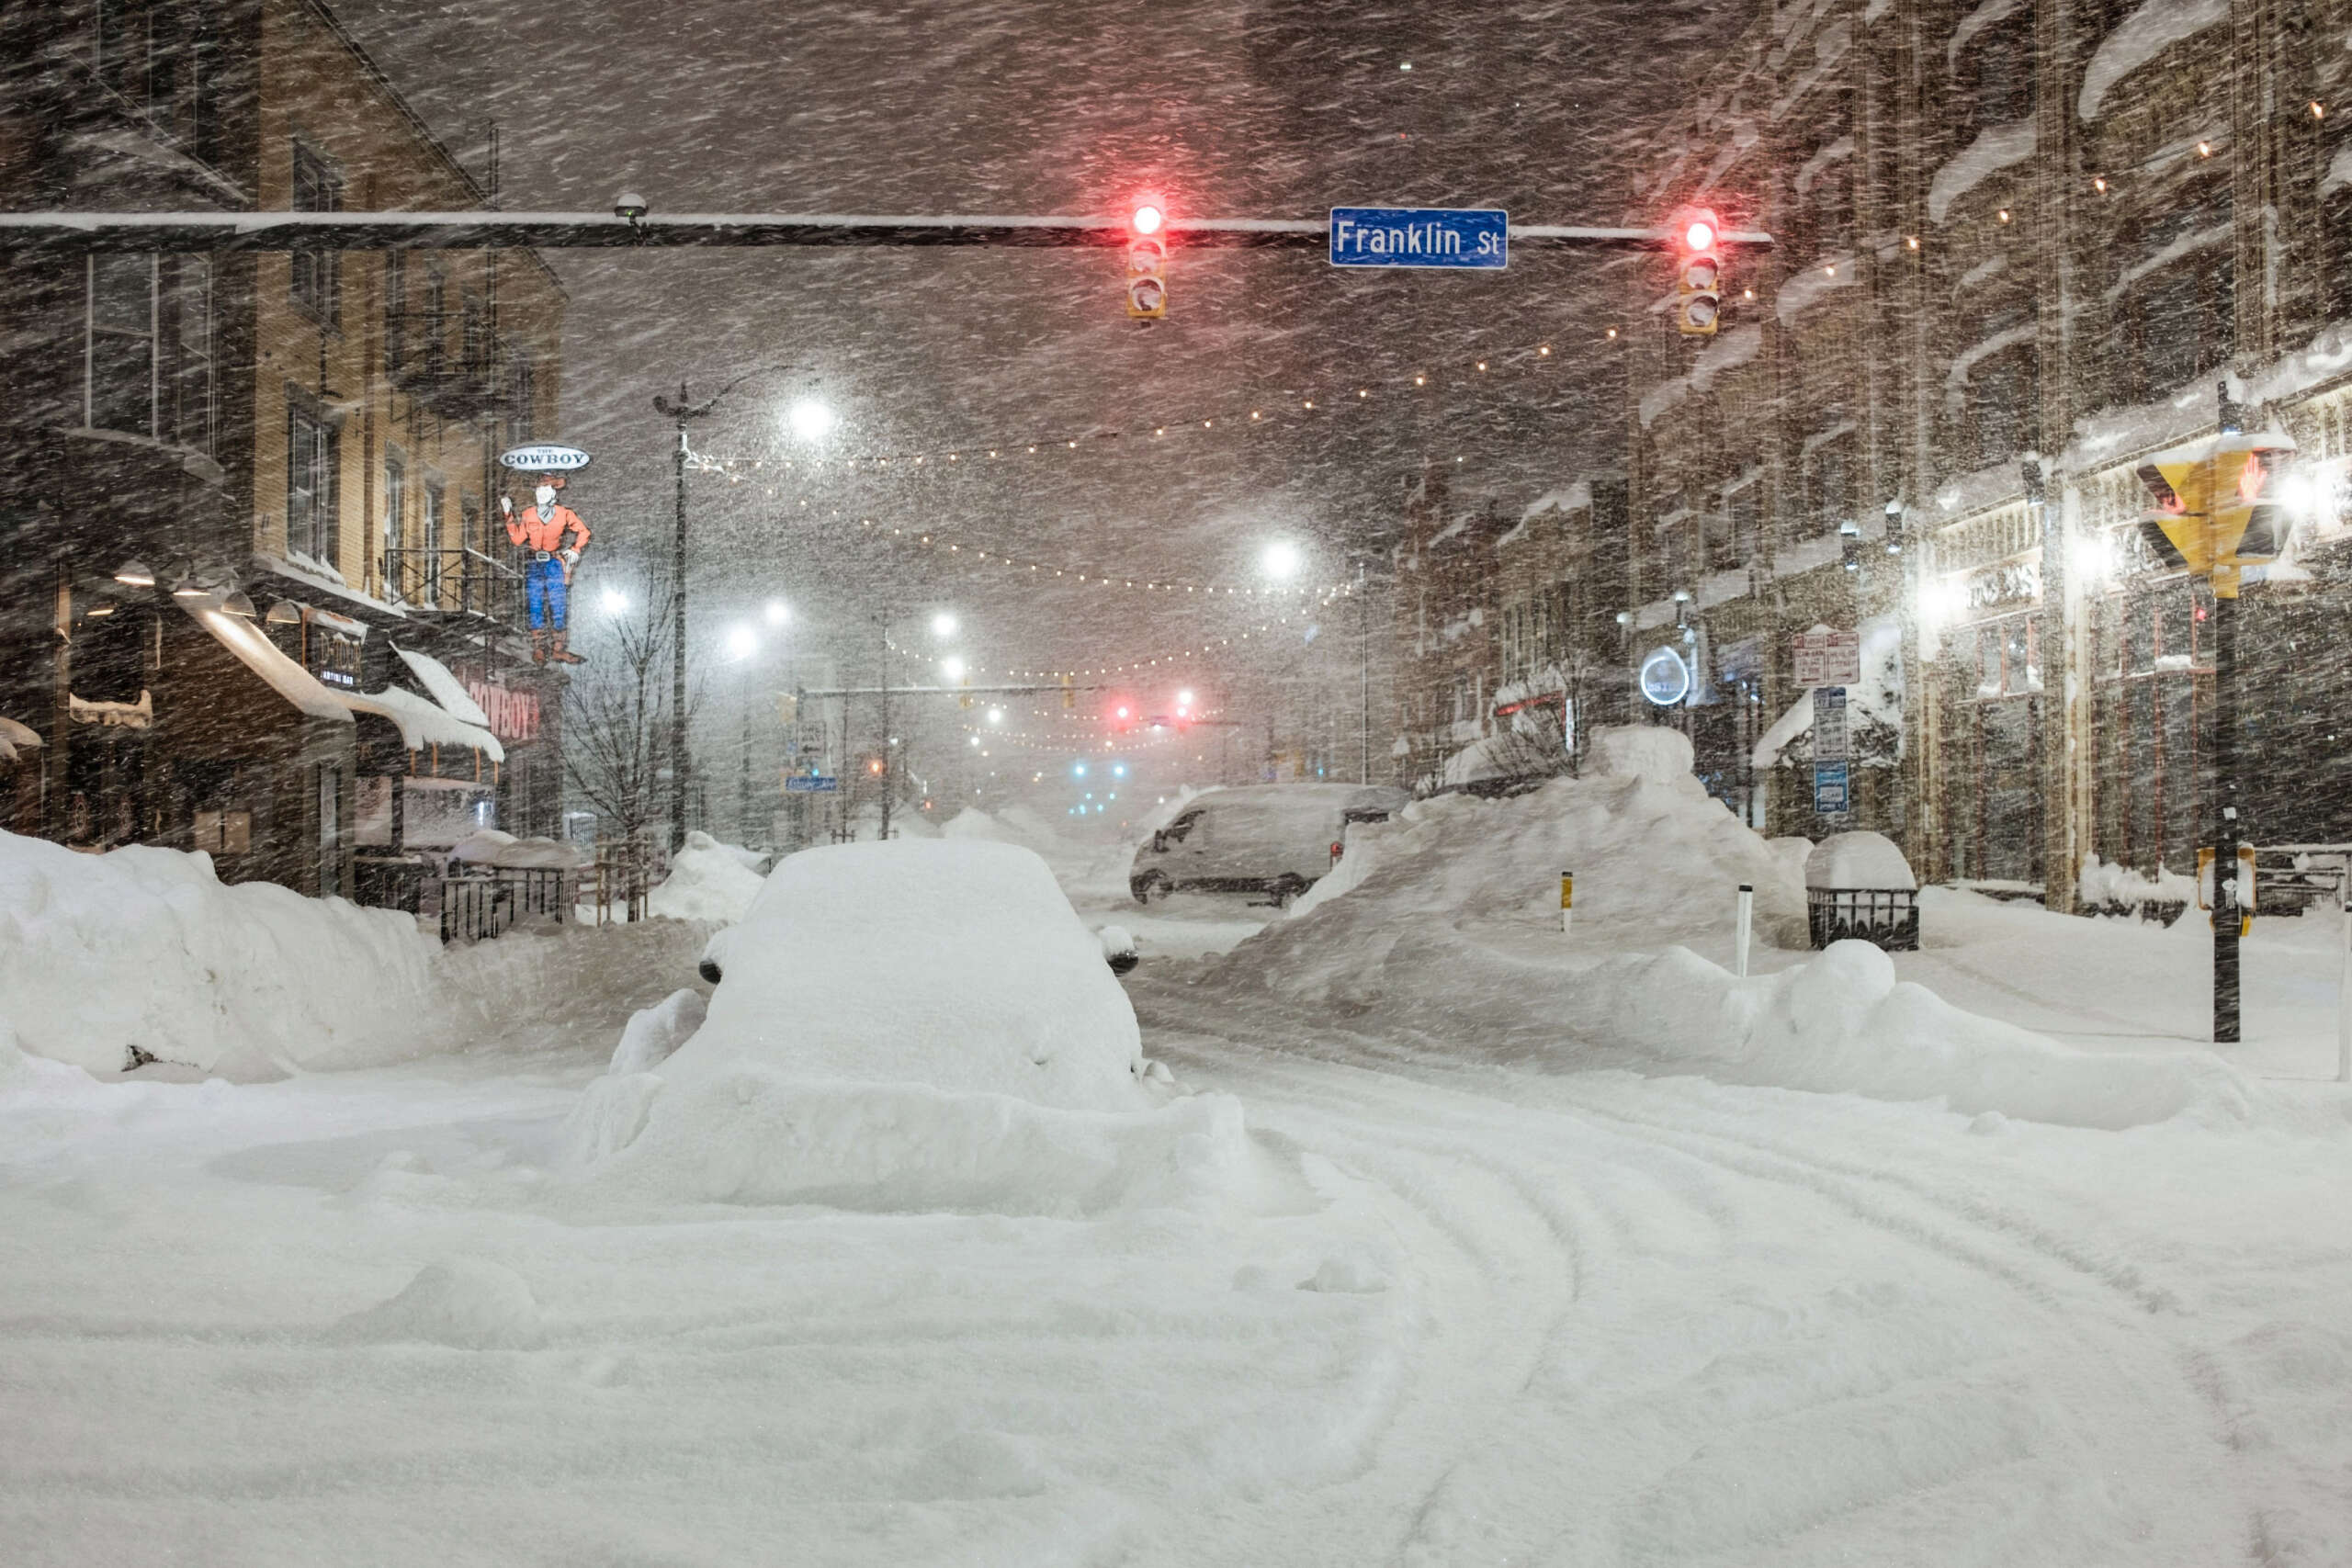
<point>1698,286</point>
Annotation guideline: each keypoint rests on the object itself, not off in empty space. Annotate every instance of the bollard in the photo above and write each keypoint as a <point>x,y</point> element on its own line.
<point>2343,1001</point>
<point>1567,898</point>
<point>1747,923</point>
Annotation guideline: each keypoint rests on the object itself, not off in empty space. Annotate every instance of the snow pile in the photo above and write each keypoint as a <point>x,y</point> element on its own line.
<point>144,948</point>
<point>1843,1023</point>
<point>2103,885</point>
<point>707,881</point>
<point>1859,860</point>
<point>654,1033</point>
<point>491,847</point>
<point>1655,861</point>
<point>465,1302</point>
<point>909,1025</point>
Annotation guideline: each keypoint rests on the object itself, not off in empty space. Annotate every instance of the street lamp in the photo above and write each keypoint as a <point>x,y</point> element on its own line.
<point>613,600</point>
<point>742,642</point>
<point>684,413</point>
<point>809,420</point>
<point>1281,560</point>
<point>943,625</point>
<point>953,667</point>
<point>778,613</point>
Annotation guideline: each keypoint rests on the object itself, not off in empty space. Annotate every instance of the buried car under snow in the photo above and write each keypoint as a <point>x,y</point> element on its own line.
<point>957,963</point>
<point>1278,839</point>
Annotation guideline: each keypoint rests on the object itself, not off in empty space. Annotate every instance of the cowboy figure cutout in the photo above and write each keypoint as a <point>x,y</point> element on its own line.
<point>539,529</point>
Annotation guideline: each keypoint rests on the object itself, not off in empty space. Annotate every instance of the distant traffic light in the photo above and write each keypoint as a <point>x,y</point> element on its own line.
<point>1069,694</point>
<point>1146,265</point>
<point>1698,286</point>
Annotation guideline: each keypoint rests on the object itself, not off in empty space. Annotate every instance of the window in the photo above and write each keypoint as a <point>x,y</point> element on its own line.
<point>2003,393</point>
<point>1828,482</point>
<point>2168,330</point>
<point>431,542</point>
<point>520,420</point>
<point>395,308</point>
<point>395,514</point>
<point>1746,541</point>
<point>2004,68</point>
<point>126,48</point>
<point>436,323</point>
<point>192,369</point>
<point>311,453</point>
<point>317,189</point>
<point>473,339</point>
<point>121,351</point>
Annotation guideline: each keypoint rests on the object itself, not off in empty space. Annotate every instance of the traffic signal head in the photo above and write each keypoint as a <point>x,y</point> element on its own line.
<point>1698,285</point>
<point>1146,267</point>
<point>1146,218</point>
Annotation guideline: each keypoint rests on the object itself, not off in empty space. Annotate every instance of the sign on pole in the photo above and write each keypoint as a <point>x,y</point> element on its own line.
<point>812,783</point>
<point>543,458</point>
<point>1829,795</point>
<point>1421,236</point>
<point>1827,658</point>
<point>1832,737</point>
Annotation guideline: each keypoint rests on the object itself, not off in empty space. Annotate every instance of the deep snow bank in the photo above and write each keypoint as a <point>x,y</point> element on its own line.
<point>1843,1023</point>
<point>908,1026</point>
<point>1656,861</point>
<point>1446,922</point>
<point>145,948</point>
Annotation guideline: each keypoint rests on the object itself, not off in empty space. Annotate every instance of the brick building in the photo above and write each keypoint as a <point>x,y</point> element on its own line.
<point>254,603</point>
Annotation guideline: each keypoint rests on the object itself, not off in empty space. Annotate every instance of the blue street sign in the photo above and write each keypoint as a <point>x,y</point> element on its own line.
<point>1829,797</point>
<point>812,783</point>
<point>1421,236</point>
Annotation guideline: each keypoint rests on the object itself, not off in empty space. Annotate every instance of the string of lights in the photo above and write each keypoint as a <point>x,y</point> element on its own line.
<point>1132,667</point>
<point>978,557</point>
<point>1286,409</point>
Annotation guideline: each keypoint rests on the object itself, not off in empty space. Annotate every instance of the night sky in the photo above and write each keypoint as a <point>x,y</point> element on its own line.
<point>1266,109</point>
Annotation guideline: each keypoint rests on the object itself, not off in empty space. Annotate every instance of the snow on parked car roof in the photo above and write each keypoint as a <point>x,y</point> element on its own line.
<point>955,964</point>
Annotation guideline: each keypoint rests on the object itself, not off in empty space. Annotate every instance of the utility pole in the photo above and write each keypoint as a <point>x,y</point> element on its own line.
<point>1363,696</point>
<point>890,757</point>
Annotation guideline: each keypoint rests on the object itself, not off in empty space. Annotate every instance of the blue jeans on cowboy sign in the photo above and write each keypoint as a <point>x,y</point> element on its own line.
<point>546,594</point>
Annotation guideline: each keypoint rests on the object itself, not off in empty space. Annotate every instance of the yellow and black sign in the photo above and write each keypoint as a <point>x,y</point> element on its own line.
<point>2216,506</point>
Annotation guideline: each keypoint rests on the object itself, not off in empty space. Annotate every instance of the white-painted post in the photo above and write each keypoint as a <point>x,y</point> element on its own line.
<point>1567,898</point>
<point>1746,924</point>
<point>2344,1001</point>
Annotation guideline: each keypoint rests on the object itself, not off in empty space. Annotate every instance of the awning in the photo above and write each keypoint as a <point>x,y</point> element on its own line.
<point>422,722</point>
<point>443,686</point>
<point>15,737</point>
<point>261,656</point>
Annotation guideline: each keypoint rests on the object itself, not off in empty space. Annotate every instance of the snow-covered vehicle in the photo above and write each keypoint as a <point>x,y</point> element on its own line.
<point>1272,839</point>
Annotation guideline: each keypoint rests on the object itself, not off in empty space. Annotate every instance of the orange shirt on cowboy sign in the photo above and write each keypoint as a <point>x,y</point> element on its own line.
<point>542,528</point>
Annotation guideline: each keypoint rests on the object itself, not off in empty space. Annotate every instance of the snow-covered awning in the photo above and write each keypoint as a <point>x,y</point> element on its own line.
<point>15,737</point>
<point>262,657</point>
<point>443,686</point>
<point>421,721</point>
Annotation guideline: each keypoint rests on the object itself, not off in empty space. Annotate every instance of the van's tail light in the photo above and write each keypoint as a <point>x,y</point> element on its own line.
<point>1338,849</point>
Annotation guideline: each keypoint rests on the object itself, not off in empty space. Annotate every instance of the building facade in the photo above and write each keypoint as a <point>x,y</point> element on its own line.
<point>255,601</point>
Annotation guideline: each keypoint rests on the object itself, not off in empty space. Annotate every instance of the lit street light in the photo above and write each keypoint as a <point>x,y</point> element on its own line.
<point>613,601</point>
<point>953,668</point>
<point>778,612</point>
<point>809,420</point>
<point>943,623</point>
<point>1281,560</point>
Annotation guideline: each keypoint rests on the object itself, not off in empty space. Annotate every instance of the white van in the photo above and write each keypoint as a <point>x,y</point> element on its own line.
<point>1271,838</point>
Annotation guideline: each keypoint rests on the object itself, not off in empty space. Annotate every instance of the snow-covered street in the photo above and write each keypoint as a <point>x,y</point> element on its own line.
<point>1453,1311</point>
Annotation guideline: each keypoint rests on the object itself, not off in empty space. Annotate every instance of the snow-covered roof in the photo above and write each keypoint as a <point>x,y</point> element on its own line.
<point>422,722</point>
<point>443,686</point>
<point>1994,150</point>
<point>262,657</point>
<point>1975,22</point>
<point>2139,37</point>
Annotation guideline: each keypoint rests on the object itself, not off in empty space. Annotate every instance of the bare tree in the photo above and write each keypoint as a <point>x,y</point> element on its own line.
<point>616,719</point>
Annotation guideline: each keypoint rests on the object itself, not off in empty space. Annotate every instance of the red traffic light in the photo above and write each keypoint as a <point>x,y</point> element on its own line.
<point>1146,219</point>
<point>1700,235</point>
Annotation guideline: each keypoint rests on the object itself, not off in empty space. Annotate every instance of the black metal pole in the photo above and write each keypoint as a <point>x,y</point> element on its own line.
<point>678,642</point>
<point>889,754</point>
<point>2227,895</point>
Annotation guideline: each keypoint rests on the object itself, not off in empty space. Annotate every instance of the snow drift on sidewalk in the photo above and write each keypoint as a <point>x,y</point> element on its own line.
<point>1445,923</point>
<point>145,947</point>
<point>707,881</point>
<point>909,1025</point>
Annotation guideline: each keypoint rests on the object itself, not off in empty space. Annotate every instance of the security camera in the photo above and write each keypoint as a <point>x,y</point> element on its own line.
<point>630,205</point>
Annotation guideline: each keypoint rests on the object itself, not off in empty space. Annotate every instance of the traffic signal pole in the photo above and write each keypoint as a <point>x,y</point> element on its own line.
<point>2228,898</point>
<point>74,233</point>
